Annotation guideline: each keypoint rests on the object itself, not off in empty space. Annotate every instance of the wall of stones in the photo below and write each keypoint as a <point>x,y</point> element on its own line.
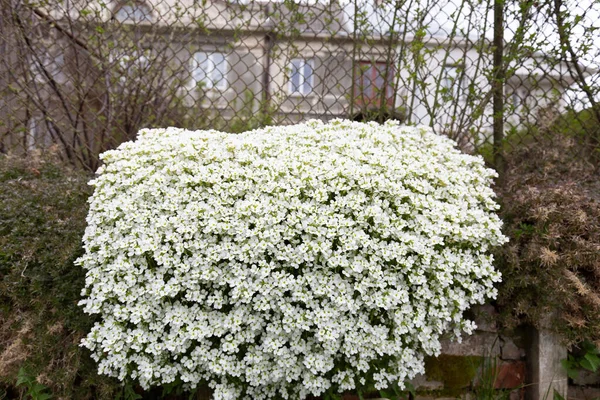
<point>490,364</point>
<point>466,370</point>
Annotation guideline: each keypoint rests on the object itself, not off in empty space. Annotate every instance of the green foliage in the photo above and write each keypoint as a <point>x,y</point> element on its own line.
<point>587,359</point>
<point>513,139</point>
<point>252,114</point>
<point>395,393</point>
<point>583,126</point>
<point>456,372</point>
<point>380,114</point>
<point>35,390</point>
<point>558,396</point>
<point>486,389</point>
<point>43,205</point>
<point>128,393</point>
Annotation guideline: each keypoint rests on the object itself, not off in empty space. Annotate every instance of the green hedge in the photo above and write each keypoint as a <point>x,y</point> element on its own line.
<point>43,205</point>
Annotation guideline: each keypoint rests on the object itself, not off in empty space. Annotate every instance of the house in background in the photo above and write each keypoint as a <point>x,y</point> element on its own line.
<point>100,71</point>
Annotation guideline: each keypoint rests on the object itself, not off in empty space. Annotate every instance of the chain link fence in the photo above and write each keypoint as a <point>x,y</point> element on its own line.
<point>81,76</point>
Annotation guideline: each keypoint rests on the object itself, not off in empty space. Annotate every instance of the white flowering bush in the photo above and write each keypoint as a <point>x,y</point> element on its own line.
<point>287,261</point>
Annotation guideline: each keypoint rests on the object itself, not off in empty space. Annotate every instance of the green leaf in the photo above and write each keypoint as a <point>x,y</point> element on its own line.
<point>558,396</point>
<point>130,393</point>
<point>38,387</point>
<point>572,373</point>
<point>593,360</point>
<point>567,365</point>
<point>585,363</point>
<point>23,377</point>
<point>589,347</point>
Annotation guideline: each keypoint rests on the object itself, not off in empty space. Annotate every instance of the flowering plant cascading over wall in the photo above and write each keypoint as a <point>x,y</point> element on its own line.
<point>285,261</point>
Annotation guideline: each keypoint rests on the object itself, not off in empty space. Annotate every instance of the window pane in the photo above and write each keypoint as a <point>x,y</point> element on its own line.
<point>308,77</point>
<point>133,13</point>
<point>379,77</point>
<point>142,62</point>
<point>364,83</point>
<point>379,80</point>
<point>200,68</point>
<point>368,82</point>
<point>449,77</point>
<point>295,76</point>
<point>452,81</point>
<point>219,71</point>
<point>516,99</point>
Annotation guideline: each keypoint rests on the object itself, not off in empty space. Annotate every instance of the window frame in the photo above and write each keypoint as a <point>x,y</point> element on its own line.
<point>130,17</point>
<point>456,83</point>
<point>371,94</point>
<point>210,81</point>
<point>131,63</point>
<point>305,86</point>
<point>53,64</point>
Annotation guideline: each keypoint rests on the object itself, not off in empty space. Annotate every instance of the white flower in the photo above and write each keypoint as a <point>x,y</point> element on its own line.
<point>286,261</point>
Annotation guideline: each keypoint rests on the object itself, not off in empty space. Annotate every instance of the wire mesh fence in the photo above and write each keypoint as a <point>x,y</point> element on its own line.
<point>82,76</point>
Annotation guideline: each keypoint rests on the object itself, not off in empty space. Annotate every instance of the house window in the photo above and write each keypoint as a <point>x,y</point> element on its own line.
<point>210,70</point>
<point>133,12</point>
<point>371,81</point>
<point>518,98</point>
<point>301,76</point>
<point>50,64</point>
<point>138,61</point>
<point>452,82</point>
<point>130,63</point>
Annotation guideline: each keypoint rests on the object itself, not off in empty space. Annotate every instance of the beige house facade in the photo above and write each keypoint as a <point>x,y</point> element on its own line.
<point>101,71</point>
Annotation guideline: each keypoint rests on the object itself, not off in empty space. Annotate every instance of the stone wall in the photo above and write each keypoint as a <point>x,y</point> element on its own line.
<point>527,365</point>
<point>465,370</point>
<point>585,387</point>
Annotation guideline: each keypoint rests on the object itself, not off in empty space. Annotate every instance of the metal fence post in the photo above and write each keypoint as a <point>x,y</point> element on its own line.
<point>498,86</point>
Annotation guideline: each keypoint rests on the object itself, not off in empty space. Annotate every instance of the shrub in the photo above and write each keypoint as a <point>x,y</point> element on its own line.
<point>43,205</point>
<point>551,268</point>
<point>287,261</point>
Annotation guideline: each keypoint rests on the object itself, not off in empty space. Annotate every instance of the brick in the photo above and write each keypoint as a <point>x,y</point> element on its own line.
<point>421,382</point>
<point>587,378</point>
<point>510,375</point>
<point>517,394</point>
<point>485,318</point>
<point>354,396</point>
<point>574,393</point>
<point>429,397</point>
<point>583,393</point>
<point>510,351</point>
<point>590,393</point>
<point>480,344</point>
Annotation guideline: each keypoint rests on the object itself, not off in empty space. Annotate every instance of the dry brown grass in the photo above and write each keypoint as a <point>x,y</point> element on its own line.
<point>552,215</point>
<point>15,350</point>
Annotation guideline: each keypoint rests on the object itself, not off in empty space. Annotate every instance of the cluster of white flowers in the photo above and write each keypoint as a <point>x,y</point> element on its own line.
<point>287,261</point>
